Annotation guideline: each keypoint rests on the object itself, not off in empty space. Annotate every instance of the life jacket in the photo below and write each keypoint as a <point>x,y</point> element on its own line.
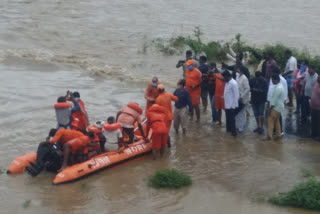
<point>135,107</point>
<point>93,128</point>
<point>157,116</point>
<point>81,115</point>
<point>112,127</point>
<point>63,114</point>
<point>129,115</point>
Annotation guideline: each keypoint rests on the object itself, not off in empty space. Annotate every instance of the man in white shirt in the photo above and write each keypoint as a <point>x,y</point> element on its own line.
<point>288,74</point>
<point>231,101</point>
<point>244,91</point>
<point>283,82</point>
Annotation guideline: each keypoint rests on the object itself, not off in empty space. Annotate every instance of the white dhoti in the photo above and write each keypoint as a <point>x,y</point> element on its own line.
<point>241,119</point>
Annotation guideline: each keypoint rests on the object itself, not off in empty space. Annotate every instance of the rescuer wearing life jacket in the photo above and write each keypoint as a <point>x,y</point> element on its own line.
<point>64,135</point>
<point>151,93</point>
<point>77,146</point>
<point>80,119</point>
<point>99,138</point>
<point>193,83</point>
<point>64,111</point>
<point>165,100</point>
<point>157,122</point>
<point>127,117</point>
<point>113,134</point>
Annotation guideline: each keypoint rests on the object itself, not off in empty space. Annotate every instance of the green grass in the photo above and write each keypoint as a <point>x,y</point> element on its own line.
<point>215,50</point>
<point>170,178</point>
<point>304,195</point>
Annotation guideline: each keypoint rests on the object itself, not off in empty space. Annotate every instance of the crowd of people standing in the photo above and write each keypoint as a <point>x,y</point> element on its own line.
<point>233,89</point>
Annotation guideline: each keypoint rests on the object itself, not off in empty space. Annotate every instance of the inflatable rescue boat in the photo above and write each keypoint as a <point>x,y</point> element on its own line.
<point>96,163</point>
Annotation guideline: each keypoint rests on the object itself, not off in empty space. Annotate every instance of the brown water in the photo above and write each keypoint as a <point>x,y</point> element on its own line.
<point>95,47</point>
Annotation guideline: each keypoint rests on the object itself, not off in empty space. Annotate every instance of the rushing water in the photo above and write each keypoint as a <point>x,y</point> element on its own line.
<point>48,47</point>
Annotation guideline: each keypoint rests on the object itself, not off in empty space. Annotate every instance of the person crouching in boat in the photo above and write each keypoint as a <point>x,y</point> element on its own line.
<point>76,146</point>
<point>64,111</point>
<point>99,138</point>
<point>157,118</point>
<point>80,119</point>
<point>127,117</point>
<point>62,136</point>
<point>113,134</point>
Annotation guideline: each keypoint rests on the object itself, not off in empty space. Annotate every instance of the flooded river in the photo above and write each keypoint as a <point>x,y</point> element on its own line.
<point>48,47</point>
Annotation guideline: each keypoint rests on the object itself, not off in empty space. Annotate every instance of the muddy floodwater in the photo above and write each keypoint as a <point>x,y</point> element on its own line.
<point>95,47</point>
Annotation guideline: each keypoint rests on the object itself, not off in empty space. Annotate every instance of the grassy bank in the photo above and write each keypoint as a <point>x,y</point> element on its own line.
<point>304,195</point>
<point>215,50</point>
<point>170,178</point>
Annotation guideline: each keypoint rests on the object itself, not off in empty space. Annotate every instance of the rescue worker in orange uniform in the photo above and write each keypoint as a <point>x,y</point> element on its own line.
<point>127,117</point>
<point>64,135</point>
<point>156,119</point>
<point>165,100</point>
<point>193,83</point>
<point>151,93</point>
<point>76,146</point>
<point>80,119</point>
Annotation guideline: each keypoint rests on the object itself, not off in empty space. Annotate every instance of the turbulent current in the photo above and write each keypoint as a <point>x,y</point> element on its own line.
<point>98,48</point>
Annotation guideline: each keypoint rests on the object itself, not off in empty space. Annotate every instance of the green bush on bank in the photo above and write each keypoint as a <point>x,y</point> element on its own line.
<point>304,195</point>
<point>170,178</point>
<point>215,50</point>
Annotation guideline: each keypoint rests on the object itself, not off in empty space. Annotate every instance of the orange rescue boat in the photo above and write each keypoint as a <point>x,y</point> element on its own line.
<point>96,163</point>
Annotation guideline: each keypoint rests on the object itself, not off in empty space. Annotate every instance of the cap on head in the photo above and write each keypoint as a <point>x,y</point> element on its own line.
<point>61,99</point>
<point>226,73</point>
<point>99,124</point>
<point>76,94</point>
<point>189,62</point>
<point>155,79</point>
<point>160,86</point>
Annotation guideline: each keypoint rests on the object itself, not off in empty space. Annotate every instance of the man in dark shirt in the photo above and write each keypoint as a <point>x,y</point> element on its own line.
<point>259,91</point>
<point>180,116</point>
<point>204,69</point>
<point>238,64</point>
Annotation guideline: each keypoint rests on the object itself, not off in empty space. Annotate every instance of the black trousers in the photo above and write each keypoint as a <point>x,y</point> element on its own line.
<point>315,123</point>
<point>231,122</point>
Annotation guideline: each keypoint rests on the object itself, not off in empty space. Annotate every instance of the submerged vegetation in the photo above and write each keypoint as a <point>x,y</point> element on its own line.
<point>304,195</point>
<point>26,203</point>
<point>216,50</point>
<point>170,178</point>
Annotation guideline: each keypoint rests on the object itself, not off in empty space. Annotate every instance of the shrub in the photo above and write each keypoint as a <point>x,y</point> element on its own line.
<point>304,195</point>
<point>170,178</point>
<point>216,50</point>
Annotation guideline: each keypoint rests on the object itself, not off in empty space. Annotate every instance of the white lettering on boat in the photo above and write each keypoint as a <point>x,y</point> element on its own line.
<point>128,151</point>
<point>60,175</point>
<point>139,147</point>
<point>100,162</point>
<point>134,149</point>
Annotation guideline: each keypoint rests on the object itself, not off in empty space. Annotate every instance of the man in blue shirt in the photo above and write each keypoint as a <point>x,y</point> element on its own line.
<point>180,114</point>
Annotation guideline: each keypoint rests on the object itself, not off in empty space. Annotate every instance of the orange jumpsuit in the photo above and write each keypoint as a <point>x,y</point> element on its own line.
<point>79,144</point>
<point>156,119</point>
<point>82,116</point>
<point>65,135</point>
<point>164,99</point>
<point>193,78</point>
<point>151,93</point>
